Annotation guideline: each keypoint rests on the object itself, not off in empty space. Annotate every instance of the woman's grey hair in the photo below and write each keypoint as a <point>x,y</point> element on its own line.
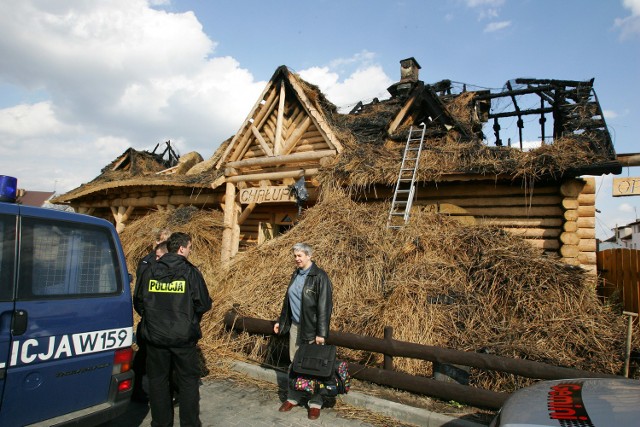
<point>303,247</point>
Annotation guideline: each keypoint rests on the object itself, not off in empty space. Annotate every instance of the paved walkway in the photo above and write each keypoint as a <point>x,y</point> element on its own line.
<point>229,402</point>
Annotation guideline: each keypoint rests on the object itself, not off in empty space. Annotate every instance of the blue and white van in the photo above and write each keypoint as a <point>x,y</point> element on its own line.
<point>65,319</point>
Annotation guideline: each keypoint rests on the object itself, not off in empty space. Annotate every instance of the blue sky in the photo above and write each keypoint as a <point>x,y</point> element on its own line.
<point>81,80</point>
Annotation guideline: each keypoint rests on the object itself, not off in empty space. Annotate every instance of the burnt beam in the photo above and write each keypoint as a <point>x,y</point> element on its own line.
<point>521,113</point>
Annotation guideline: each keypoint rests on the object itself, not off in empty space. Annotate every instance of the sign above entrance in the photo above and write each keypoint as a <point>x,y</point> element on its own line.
<point>626,187</point>
<point>266,195</point>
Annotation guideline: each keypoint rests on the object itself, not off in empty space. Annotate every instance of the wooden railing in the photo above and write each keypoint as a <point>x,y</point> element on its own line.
<point>393,348</point>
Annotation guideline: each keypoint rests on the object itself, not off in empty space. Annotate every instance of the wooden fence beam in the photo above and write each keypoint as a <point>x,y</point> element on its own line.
<point>525,368</point>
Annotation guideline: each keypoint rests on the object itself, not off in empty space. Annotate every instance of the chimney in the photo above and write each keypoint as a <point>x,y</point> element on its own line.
<point>409,71</point>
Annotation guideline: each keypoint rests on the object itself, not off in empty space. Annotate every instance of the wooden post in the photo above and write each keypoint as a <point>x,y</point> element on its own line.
<point>627,354</point>
<point>388,359</point>
<point>235,235</point>
<point>121,216</point>
<point>229,221</point>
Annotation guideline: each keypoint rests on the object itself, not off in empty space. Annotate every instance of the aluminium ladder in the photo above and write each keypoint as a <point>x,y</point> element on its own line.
<point>404,193</point>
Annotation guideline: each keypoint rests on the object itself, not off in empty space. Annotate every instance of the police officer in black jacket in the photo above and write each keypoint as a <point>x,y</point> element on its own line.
<point>140,358</point>
<point>171,298</point>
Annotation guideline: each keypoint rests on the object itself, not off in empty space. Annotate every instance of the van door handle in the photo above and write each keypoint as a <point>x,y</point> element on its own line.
<point>19,323</point>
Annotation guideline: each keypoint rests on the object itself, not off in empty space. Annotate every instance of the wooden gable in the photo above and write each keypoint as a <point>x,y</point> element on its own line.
<point>284,123</point>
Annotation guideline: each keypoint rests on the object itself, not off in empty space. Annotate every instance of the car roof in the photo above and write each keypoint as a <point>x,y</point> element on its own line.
<point>588,402</point>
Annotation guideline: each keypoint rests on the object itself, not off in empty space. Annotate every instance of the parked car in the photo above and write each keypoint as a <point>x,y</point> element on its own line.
<point>583,402</point>
<point>66,319</point>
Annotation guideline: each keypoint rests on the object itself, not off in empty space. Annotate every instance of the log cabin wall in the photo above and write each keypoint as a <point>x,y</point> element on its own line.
<point>558,219</point>
<point>579,232</point>
<point>122,207</point>
<point>266,222</point>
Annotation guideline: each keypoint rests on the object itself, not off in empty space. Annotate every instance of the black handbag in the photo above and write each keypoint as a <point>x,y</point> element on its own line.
<point>313,360</point>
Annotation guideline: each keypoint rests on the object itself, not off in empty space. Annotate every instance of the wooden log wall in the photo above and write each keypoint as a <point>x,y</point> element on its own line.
<point>535,214</point>
<point>579,233</point>
<point>122,208</point>
<point>557,219</point>
<point>268,213</point>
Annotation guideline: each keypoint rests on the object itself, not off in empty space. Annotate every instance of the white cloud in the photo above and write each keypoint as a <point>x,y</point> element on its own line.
<point>634,5</point>
<point>30,120</point>
<point>609,114</point>
<point>482,3</point>
<point>496,26</point>
<point>625,207</point>
<point>487,9</point>
<point>362,85</point>
<point>117,73</point>
<point>361,59</point>
<point>630,25</point>
<point>530,145</point>
<point>488,14</point>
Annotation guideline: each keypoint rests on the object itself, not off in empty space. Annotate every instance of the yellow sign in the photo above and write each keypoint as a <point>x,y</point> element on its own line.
<point>266,195</point>
<point>626,187</point>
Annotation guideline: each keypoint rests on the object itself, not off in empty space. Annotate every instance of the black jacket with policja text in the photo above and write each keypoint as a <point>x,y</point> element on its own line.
<point>171,297</point>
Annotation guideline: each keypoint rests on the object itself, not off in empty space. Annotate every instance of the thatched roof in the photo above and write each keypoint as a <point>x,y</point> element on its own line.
<point>454,142</point>
<point>144,169</point>
<point>372,138</point>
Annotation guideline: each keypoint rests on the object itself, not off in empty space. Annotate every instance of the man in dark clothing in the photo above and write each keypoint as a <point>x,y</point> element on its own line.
<point>171,298</point>
<point>140,358</point>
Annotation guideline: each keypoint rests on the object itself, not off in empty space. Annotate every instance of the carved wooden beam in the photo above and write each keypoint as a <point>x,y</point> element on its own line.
<point>262,142</point>
<point>273,175</point>
<point>278,141</point>
<point>278,160</point>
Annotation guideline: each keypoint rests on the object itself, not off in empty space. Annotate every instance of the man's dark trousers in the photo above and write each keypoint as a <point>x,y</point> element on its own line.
<point>160,361</point>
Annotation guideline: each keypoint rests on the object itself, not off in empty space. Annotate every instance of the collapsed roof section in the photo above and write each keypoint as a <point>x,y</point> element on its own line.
<point>560,126</point>
<point>135,168</point>
<point>572,105</point>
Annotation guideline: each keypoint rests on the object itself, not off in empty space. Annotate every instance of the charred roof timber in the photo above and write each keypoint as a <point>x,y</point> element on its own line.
<point>573,105</point>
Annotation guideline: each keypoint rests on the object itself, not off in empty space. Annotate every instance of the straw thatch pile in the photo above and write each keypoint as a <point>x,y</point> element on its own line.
<point>204,227</point>
<point>435,282</point>
<point>363,165</point>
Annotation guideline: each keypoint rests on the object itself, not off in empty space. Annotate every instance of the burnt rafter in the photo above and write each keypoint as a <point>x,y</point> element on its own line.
<point>172,158</point>
<point>573,104</point>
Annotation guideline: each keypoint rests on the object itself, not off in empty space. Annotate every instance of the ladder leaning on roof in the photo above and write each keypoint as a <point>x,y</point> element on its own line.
<point>405,187</point>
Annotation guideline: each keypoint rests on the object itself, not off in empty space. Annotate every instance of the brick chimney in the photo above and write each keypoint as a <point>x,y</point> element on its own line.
<point>409,73</point>
<point>409,70</point>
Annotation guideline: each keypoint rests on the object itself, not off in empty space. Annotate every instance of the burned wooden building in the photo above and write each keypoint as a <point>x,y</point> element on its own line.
<point>424,147</point>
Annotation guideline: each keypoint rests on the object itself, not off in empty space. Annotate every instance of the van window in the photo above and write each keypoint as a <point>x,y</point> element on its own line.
<point>7,256</point>
<point>63,259</point>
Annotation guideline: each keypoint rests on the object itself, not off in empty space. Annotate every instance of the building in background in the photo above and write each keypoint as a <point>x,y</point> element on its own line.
<point>624,236</point>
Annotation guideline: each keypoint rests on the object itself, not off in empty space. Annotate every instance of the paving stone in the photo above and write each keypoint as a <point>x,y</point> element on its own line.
<point>230,403</point>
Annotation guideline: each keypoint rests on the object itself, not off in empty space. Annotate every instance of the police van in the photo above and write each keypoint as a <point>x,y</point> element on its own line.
<point>65,317</point>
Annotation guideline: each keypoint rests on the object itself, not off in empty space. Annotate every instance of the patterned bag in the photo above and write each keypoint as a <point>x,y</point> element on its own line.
<point>305,384</point>
<point>339,383</point>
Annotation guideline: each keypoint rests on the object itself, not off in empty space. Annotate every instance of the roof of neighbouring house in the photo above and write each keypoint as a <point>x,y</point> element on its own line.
<point>33,198</point>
